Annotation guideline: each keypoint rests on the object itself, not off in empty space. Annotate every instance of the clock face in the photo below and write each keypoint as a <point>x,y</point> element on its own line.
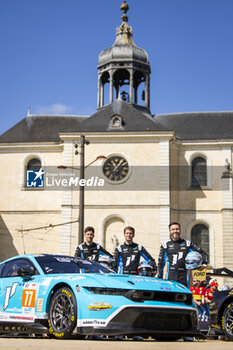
<point>116,168</point>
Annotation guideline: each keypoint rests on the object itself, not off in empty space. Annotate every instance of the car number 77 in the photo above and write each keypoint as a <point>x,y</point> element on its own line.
<point>29,298</point>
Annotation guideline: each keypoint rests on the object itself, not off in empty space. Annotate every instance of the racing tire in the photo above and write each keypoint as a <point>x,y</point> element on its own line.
<point>228,321</point>
<point>62,313</point>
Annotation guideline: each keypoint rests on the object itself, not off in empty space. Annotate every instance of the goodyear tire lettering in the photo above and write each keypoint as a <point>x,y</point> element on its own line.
<point>223,323</point>
<point>66,292</point>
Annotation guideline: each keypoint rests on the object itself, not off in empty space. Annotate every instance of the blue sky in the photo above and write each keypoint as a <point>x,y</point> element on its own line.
<point>49,54</point>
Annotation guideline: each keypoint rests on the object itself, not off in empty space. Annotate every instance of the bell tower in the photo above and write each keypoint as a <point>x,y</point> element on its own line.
<point>124,69</point>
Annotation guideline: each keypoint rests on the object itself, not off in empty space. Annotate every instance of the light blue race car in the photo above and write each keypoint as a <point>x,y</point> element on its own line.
<point>62,295</point>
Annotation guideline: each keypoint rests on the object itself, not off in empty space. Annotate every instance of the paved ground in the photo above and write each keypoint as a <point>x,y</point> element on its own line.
<point>53,344</point>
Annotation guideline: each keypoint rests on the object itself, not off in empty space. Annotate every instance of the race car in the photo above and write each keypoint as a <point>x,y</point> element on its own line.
<point>62,295</point>
<point>221,307</point>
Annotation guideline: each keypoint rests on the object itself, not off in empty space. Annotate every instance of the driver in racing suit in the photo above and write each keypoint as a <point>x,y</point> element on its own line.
<point>127,256</point>
<point>90,250</point>
<point>173,253</point>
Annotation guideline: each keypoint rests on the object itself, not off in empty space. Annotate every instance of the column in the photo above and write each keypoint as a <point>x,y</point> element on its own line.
<point>227,210</point>
<point>147,91</point>
<point>66,208</point>
<point>111,87</point>
<point>131,86</point>
<point>99,92</point>
<point>164,189</point>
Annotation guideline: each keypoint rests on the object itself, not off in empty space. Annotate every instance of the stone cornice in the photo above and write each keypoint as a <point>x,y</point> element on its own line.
<point>204,142</point>
<point>6,147</point>
<point>120,136</point>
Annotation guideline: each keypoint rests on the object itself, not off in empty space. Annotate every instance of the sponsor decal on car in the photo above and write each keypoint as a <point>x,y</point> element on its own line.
<point>29,299</point>
<point>10,291</point>
<point>23,318</point>
<point>151,280</point>
<point>99,306</point>
<point>28,310</point>
<point>39,304</point>
<point>13,309</point>
<point>15,317</point>
<point>91,322</point>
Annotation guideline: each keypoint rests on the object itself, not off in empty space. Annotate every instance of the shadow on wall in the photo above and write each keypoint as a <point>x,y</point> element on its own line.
<point>7,248</point>
<point>185,193</point>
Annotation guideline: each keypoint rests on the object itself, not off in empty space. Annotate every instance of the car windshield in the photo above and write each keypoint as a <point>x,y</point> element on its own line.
<point>63,264</point>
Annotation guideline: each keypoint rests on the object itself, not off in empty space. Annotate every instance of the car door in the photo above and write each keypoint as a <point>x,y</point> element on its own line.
<point>18,294</point>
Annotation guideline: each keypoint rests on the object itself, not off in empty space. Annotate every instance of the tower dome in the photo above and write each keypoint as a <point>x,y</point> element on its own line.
<point>125,68</point>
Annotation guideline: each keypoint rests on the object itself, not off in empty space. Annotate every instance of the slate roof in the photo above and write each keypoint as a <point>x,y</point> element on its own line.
<point>133,119</point>
<point>199,125</point>
<point>46,128</point>
<point>187,126</point>
<point>41,128</point>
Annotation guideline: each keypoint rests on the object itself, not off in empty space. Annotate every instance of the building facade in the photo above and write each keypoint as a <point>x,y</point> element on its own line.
<point>157,169</point>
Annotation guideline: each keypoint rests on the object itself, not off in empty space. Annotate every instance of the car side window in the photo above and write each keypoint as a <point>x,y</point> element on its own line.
<point>1,268</point>
<point>11,268</point>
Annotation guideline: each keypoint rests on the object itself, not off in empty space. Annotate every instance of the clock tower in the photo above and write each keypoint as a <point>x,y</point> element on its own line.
<point>124,70</point>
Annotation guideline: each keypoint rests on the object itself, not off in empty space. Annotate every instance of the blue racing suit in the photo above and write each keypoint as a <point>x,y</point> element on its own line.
<point>91,252</point>
<point>127,258</point>
<point>173,253</point>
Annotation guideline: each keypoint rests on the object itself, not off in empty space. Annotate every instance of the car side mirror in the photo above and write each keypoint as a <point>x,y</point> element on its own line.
<point>25,273</point>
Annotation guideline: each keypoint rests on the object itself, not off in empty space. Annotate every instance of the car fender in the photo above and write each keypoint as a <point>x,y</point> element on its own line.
<point>47,287</point>
<point>227,301</point>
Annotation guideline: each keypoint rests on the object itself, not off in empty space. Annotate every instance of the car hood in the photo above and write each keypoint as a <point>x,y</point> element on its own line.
<point>125,282</point>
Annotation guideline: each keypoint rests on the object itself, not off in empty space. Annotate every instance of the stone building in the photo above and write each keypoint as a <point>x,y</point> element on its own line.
<point>158,168</point>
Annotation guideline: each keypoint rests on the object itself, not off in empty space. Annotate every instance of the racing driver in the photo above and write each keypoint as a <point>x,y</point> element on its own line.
<point>89,249</point>
<point>173,253</point>
<point>127,256</point>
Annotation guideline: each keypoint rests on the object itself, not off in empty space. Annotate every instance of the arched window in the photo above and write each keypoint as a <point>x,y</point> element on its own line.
<point>199,172</point>
<point>34,164</point>
<point>116,122</point>
<point>200,237</point>
<point>121,82</point>
<point>139,88</point>
<point>105,81</point>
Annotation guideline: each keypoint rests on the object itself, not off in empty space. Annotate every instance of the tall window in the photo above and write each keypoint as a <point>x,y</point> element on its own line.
<point>199,172</point>
<point>33,164</point>
<point>200,237</point>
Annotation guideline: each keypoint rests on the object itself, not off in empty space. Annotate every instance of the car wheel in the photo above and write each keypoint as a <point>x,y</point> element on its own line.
<point>228,321</point>
<point>62,313</point>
